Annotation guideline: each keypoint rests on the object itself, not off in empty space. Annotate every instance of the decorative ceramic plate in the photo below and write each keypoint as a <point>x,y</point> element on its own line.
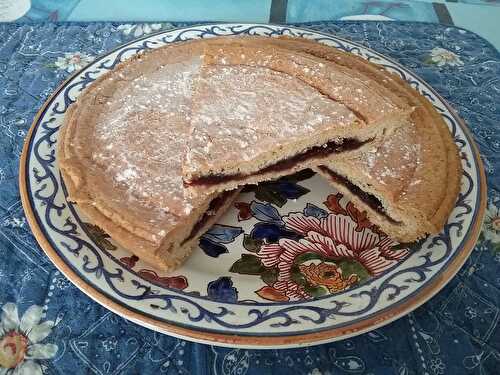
<point>229,293</point>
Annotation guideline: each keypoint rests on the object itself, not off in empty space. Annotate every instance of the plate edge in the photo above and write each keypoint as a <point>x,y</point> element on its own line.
<point>231,340</point>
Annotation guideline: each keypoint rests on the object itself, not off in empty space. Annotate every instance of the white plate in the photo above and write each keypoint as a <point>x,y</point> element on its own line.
<point>224,294</point>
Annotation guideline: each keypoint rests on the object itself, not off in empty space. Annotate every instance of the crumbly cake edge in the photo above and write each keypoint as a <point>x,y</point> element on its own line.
<point>165,255</point>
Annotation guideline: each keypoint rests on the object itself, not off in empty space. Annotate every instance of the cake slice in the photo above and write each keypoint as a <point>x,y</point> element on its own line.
<point>119,156</point>
<point>156,150</point>
<point>261,111</point>
<point>409,184</point>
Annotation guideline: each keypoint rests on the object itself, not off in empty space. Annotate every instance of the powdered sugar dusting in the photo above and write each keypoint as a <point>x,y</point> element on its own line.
<point>142,134</point>
<point>240,111</point>
<point>395,160</point>
<point>126,175</point>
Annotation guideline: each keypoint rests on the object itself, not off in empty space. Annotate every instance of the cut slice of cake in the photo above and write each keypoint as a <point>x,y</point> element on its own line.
<point>409,184</point>
<point>260,111</point>
<point>148,148</point>
<point>119,155</point>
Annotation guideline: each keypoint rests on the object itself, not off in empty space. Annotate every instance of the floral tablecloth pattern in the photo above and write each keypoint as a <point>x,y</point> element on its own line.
<point>48,326</point>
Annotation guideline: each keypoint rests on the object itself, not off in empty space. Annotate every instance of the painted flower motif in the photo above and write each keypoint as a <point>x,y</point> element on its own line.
<point>20,341</point>
<point>72,61</point>
<point>175,282</point>
<point>222,290</point>
<point>140,29</point>
<point>333,255</point>
<point>328,275</point>
<point>441,57</point>
<point>244,211</point>
<point>213,242</point>
<point>491,225</point>
<point>130,261</point>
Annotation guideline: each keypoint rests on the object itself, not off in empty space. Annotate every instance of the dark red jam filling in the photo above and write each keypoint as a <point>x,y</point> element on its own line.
<point>329,148</point>
<point>213,207</point>
<point>369,199</point>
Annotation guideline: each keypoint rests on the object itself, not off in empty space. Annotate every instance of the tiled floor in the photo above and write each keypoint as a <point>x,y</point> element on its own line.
<point>480,16</point>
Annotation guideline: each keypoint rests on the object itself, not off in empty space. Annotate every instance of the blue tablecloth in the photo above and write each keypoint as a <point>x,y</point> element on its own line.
<point>457,332</point>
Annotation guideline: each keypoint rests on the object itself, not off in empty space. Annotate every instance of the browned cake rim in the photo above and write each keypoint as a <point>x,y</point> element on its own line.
<point>436,216</point>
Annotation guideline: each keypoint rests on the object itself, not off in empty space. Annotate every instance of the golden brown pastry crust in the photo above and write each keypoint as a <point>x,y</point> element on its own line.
<point>422,197</point>
<point>348,104</point>
<point>430,201</point>
<point>152,221</point>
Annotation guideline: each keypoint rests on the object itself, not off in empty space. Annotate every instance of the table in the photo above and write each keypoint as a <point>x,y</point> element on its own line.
<point>480,16</point>
<point>457,332</point>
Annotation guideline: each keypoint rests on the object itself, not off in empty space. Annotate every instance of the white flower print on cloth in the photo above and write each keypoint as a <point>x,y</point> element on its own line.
<point>72,61</point>
<point>470,312</point>
<point>20,341</point>
<point>491,225</point>
<point>14,222</point>
<point>139,29</point>
<point>442,57</point>
<point>437,366</point>
<point>62,283</point>
<point>110,343</point>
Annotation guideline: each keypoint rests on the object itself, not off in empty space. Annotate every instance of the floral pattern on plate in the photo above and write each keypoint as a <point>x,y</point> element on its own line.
<point>315,252</point>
